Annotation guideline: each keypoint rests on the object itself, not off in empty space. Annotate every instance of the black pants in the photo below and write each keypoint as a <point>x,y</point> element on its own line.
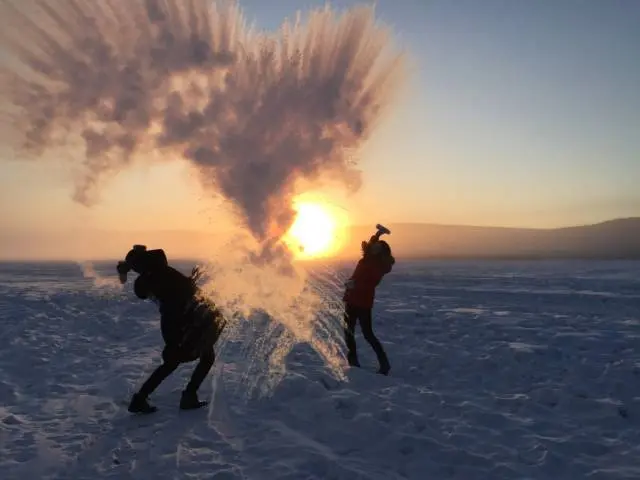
<point>173,355</point>
<point>363,315</point>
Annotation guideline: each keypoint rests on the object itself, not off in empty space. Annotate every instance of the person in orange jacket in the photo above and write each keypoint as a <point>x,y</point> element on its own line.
<point>359,296</point>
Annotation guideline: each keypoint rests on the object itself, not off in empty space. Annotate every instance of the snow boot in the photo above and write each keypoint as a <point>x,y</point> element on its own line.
<point>384,369</point>
<point>189,401</point>
<point>353,361</point>
<point>139,404</point>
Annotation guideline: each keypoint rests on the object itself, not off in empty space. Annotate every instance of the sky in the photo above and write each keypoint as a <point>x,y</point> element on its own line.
<point>516,113</point>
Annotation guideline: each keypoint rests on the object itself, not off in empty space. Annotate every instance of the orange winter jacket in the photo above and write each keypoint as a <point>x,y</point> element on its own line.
<point>368,273</point>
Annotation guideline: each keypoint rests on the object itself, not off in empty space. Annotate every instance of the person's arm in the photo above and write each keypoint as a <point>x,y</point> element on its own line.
<point>366,245</point>
<point>142,288</point>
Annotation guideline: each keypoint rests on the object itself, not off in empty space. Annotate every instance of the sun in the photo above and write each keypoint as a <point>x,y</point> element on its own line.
<point>316,231</point>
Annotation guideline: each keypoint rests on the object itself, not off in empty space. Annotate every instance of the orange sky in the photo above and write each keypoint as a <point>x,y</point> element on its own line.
<point>474,140</point>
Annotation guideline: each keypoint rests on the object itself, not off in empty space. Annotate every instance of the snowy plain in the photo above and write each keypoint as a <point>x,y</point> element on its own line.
<point>500,370</point>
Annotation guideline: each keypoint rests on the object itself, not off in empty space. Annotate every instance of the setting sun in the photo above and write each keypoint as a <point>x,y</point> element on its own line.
<point>316,231</point>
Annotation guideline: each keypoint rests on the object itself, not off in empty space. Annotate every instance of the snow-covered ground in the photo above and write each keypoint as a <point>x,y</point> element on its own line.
<point>500,370</point>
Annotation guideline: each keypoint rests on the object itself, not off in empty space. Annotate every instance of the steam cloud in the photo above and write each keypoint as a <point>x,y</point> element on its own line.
<point>131,80</point>
<point>257,114</point>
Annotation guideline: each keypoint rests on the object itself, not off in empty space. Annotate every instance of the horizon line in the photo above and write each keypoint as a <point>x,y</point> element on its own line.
<point>405,258</point>
<point>355,225</point>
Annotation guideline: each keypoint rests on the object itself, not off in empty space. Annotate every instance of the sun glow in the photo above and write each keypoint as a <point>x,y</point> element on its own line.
<point>318,230</point>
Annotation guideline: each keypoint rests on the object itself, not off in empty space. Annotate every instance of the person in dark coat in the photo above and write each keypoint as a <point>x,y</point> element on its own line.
<point>359,297</point>
<point>190,324</point>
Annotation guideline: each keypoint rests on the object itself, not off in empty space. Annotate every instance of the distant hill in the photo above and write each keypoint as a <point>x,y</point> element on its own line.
<point>615,239</point>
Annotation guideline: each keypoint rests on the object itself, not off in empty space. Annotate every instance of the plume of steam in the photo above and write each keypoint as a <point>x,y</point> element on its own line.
<point>254,112</point>
<point>111,82</point>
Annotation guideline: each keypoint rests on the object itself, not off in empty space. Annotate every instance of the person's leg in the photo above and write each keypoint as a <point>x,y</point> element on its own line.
<point>208,337</point>
<point>189,398</point>
<point>350,320</point>
<point>139,402</point>
<point>157,377</point>
<point>366,324</point>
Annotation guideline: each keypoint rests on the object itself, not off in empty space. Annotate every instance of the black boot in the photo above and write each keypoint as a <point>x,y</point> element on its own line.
<point>189,400</point>
<point>353,360</point>
<point>139,404</point>
<point>384,368</point>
